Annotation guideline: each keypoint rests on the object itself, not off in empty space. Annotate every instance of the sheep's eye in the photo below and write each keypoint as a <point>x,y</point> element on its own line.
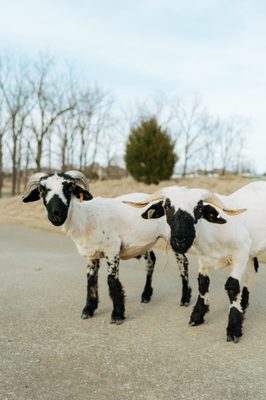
<point>169,213</point>
<point>168,208</point>
<point>71,185</point>
<point>42,189</point>
<point>167,205</point>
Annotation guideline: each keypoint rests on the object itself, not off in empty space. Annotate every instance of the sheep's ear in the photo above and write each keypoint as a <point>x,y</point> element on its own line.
<point>154,211</point>
<point>81,193</point>
<point>212,215</point>
<point>198,211</point>
<point>33,195</point>
<point>207,212</point>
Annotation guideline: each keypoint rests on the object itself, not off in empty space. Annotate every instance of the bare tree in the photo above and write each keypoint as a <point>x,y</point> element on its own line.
<point>91,116</point>
<point>28,157</point>
<point>66,135</point>
<point>112,144</point>
<point>207,156</point>
<point>158,106</point>
<point>230,143</point>
<point>16,95</point>
<point>47,108</point>
<point>4,122</point>
<point>39,111</point>
<point>191,123</point>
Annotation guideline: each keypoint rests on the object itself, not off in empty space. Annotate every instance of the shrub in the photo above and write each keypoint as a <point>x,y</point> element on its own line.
<point>150,155</point>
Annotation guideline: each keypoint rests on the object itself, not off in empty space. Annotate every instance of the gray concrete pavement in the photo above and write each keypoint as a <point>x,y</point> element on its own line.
<point>49,353</point>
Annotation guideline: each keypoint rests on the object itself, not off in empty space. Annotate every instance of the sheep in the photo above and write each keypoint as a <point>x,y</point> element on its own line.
<point>102,228</point>
<point>241,237</point>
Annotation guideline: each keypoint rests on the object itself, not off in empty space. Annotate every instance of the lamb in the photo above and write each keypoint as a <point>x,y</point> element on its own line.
<point>241,237</point>
<point>102,228</point>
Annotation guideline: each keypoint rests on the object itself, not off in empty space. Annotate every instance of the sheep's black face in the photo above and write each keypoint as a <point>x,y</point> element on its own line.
<point>57,211</point>
<point>56,190</point>
<point>182,228</point>
<point>56,193</point>
<point>182,223</point>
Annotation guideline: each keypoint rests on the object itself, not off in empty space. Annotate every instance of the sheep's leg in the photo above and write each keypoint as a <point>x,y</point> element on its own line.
<point>116,290</point>
<point>232,286</point>
<point>202,305</point>
<point>235,319</point>
<point>253,266</point>
<point>148,290</point>
<point>92,289</point>
<point>182,262</point>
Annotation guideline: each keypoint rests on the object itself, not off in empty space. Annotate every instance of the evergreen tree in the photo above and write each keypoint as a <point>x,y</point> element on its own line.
<point>150,155</point>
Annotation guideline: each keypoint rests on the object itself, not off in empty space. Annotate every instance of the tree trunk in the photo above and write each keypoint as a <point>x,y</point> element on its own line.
<point>63,153</point>
<point>14,166</point>
<point>38,155</point>
<point>184,173</point>
<point>1,166</point>
<point>19,165</point>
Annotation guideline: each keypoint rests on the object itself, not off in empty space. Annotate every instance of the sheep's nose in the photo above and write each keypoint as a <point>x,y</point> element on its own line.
<point>56,216</point>
<point>179,242</point>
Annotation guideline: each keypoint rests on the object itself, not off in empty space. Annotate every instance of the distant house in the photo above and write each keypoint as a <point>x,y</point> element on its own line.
<point>96,171</point>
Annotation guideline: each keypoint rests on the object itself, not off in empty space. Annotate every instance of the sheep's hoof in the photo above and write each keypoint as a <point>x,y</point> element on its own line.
<point>87,312</point>
<point>195,323</point>
<point>117,321</point>
<point>85,316</point>
<point>145,300</point>
<point>232,338</point>
<point>185,299</point>
<point>117,317</point>
<point>89,308</point>
<point>146,295</point>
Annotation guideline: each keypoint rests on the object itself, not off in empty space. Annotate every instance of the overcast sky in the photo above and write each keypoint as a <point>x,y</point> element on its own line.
<point>212,49</point>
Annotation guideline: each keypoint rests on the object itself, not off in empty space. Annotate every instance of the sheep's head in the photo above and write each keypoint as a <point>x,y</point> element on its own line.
<point>183,218</point>
<point>56,190</point>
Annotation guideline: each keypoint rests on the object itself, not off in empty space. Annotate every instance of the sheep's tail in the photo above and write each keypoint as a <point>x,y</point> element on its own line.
<point>256,263</point>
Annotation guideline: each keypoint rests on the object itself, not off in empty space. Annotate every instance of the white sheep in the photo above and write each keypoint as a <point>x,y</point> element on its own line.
<point>102,228</point>
<point>241,237</point>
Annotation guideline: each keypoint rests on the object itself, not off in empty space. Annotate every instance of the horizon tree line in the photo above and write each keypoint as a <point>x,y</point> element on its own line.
<point>50,119</point>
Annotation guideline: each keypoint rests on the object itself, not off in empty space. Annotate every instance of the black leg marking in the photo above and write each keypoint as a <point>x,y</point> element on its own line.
<point>256,264</point>
<point>250,275</point>
<point>117,295</point>
<point>92,290</point>
<point>186,289</point>
<point>202,306</point>
<point>235,319</point>
<point>148,290</point>
<point>116,292</point>
<point>234,327</point>
<point>233,288</point>
<point>244,298</point>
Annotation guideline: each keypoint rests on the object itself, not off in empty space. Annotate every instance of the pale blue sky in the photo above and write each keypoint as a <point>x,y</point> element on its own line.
<point>209,48</point>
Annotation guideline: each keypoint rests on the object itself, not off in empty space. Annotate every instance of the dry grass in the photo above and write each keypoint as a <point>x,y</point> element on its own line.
<point>12,210</point>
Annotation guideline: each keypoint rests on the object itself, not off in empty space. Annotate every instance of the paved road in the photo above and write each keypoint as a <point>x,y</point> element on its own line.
<point>49,353</point>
